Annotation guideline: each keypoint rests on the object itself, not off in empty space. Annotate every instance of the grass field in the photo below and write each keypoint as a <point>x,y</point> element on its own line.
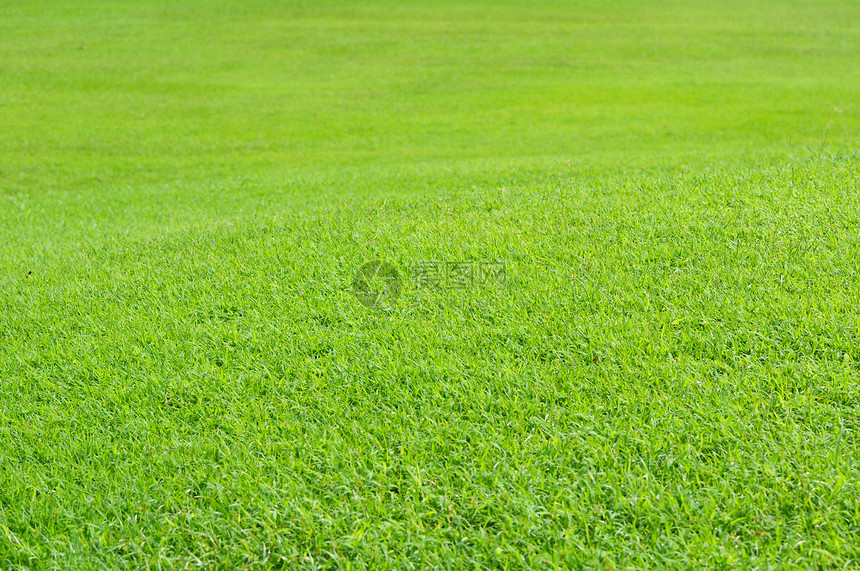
<point>666,377</point>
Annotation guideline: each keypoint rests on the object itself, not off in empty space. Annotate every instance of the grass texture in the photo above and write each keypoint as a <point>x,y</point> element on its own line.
<point>666,377</point>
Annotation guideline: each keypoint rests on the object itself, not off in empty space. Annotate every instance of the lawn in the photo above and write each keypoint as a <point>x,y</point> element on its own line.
<point>620,325</point>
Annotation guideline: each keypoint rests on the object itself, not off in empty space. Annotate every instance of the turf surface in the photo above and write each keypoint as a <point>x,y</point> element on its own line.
<point>667,375</point>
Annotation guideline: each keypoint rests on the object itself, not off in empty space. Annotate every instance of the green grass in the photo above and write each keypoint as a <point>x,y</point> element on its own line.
<point>668,378</point>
